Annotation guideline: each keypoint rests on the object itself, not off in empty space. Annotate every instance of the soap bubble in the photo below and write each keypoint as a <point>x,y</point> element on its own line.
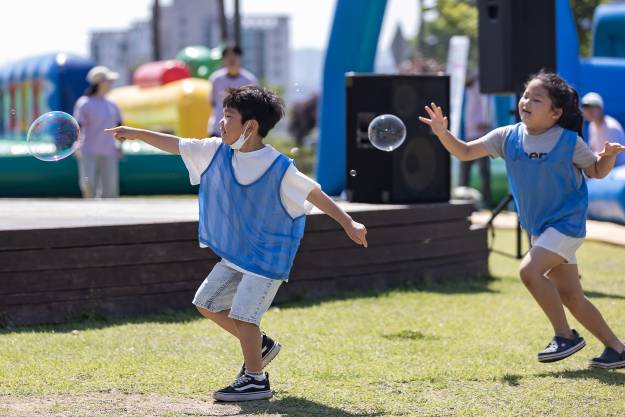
<point>53,136</point>
<point>387,132</point>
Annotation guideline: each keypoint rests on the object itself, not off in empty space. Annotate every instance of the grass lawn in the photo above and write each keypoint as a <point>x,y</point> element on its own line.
<point>458,349</point>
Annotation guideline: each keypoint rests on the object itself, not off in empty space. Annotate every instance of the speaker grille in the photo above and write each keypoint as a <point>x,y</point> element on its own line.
<point>418,164</point>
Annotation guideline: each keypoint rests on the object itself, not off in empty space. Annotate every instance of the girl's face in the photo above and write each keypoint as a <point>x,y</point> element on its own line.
<point>104,87</point>
<point>536,108</point>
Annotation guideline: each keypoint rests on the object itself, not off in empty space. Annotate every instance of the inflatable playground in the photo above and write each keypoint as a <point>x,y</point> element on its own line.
<point>172,96</point>
<point>169,96</point>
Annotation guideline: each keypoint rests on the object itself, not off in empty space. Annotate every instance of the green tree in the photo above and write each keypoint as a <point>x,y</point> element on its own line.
<point>442,19</point>
<point>583,11</point>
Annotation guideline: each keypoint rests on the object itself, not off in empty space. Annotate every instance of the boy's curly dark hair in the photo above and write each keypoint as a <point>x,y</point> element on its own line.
<point>257,103</point>
<point>564,97</point>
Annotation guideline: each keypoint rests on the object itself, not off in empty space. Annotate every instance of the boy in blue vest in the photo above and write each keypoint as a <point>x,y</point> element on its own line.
<point>253,204</point>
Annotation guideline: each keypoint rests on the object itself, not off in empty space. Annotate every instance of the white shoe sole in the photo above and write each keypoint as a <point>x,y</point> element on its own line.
<point>613,365</point>
<point>553,357</point>
<point>250,396</point>
<point>273,352</point>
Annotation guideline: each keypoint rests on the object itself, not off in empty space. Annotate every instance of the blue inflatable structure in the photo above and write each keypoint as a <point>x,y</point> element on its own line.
<point>36,85</point>
<point>352,47</point>
<point>607,197</point>
<point>608,31</point>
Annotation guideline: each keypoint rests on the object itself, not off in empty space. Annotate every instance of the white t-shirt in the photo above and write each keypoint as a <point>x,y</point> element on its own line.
<point>609,131</point>
<point>476,113</point>
<point>248,167</point>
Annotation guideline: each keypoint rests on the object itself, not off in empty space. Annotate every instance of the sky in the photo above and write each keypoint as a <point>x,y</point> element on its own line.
<point>31,27</point>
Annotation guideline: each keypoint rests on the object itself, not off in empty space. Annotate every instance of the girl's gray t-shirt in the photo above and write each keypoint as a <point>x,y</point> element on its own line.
<point>537,146</point>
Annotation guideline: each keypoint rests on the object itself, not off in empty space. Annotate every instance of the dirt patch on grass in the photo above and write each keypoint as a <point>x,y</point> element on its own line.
<point>126,405</point>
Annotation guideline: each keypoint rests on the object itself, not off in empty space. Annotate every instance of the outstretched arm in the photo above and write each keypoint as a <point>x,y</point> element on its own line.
<point>356,231</point>
<point>605,161</point>
<point>465,151</point>
<point>162,141</point>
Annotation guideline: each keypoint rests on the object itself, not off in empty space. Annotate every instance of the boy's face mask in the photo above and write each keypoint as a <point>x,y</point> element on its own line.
<point>241,141</point>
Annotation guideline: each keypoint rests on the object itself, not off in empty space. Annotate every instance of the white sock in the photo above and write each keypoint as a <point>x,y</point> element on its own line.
<point>260,376</point>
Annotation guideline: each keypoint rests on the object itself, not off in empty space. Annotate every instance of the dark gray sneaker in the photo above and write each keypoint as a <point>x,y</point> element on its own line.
<point>269,350</point>
<point>560,348</point>
<point>245,388</point>
<point>609,359</point>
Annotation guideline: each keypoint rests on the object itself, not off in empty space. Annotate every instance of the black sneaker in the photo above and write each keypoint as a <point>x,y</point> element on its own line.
<point>269,350</point>
<point>560,348</point>
<point>245,388</point>
<point>609,359</point>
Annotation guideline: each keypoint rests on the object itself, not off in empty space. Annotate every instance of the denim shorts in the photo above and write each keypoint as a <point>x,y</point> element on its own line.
<point>247,296</point>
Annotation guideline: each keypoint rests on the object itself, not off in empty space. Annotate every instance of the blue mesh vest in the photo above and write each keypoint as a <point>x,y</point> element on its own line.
<point>248,224</point>
<point>545,190</point>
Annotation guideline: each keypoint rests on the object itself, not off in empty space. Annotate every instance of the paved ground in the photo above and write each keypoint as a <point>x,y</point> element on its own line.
<point>21,214</point>
<point>27,213</point>
<point>600,231</point>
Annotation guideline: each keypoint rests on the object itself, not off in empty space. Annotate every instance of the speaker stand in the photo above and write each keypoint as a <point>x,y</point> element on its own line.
<point>496,211</point>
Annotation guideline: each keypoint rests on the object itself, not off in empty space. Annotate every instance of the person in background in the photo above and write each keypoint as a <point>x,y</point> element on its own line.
<point>230,76</point>
<point>477,123</point>
<point>98,154</point>
<point>602,128</point>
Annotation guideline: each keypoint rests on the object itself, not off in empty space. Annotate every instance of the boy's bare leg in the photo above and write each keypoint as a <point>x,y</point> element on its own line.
<point>221,319</point>
<point>566,279</point>
<point>250,339</point>
<point>533,268</point>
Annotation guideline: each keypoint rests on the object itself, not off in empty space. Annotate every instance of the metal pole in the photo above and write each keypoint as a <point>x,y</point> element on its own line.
<point>237,23</point>
<point>156,38</point>
<point>222,21</point>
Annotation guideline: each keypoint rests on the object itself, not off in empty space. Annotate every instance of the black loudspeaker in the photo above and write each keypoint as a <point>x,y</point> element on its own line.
<point>416,172</point>
<point>516,38</point>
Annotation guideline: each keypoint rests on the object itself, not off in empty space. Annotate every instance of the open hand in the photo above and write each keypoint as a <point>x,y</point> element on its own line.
<point>611,149</point>
<point>357,232</point>
<point>437,121</point>
<point>123,133</point>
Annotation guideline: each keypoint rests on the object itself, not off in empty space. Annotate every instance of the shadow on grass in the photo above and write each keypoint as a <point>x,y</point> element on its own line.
<point>474,285</point>
<point>605,376</point>
<point>511,379</point>
<point>295,407</point>
<point>597,294</point>
<point>92,322</point>
<point>408,335</point>
<point>453,286</point>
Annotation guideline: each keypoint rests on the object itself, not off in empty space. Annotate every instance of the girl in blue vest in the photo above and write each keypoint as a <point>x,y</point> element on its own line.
<point>545,159</point>
<point>253,204</point>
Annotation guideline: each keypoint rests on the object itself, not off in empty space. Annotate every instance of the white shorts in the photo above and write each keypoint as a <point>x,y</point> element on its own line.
<point>559,243</point>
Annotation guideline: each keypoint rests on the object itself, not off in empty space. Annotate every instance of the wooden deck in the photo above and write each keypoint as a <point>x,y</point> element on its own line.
<point>67,259</point>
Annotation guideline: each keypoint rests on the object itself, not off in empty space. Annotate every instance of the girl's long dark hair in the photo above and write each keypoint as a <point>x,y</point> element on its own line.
<point>91,90</point>
<point>564,97</point>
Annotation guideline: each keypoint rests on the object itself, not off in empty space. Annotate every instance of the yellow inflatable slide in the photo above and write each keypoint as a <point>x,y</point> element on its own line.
<point>180,107</point>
